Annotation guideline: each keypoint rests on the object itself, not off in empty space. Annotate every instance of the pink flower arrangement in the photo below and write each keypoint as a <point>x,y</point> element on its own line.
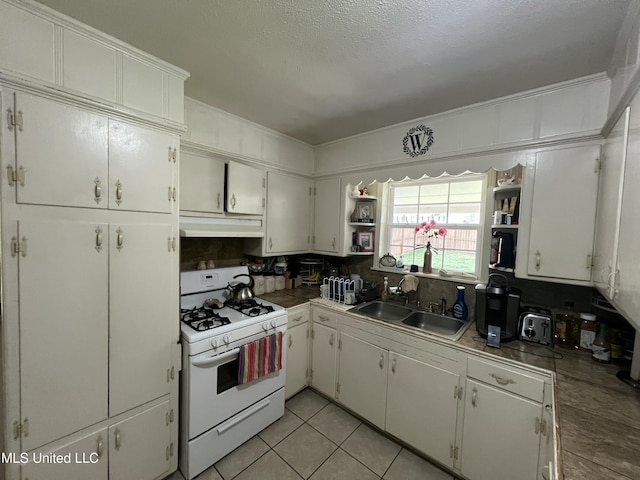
<point>428,229</point>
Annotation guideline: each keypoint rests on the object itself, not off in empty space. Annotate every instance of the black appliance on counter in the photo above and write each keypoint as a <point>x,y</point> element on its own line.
<point>499,306</point>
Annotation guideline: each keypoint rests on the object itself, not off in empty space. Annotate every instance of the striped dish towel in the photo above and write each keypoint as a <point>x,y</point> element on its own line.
<point>260,358</point>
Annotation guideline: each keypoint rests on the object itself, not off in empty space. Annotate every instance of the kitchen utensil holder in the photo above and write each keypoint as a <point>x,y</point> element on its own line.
<point>339,290</point>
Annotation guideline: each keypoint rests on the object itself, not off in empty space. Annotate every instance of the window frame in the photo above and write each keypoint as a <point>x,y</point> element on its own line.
<point>480,228</point>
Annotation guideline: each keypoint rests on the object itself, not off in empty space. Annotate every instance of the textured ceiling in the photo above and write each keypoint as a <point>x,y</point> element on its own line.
<point>319,70</point>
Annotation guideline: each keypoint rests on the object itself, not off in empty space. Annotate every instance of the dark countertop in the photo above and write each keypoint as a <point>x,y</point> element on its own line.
<point>599,415</point>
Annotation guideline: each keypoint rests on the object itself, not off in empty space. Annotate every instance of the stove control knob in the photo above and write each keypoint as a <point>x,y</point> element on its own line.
<point>226,339</point>
<point>214,343</point>
<point>265,326</point>
<point>273,324</point>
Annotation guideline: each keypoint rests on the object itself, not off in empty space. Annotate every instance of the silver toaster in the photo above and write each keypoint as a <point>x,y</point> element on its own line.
<point>536,327</point>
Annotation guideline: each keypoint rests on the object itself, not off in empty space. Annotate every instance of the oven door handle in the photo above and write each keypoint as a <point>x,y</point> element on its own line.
<point>243,416</point>
<point>216,359</point>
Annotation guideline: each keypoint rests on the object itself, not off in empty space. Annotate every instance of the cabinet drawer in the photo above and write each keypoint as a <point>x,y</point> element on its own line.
<point>510,379</point>
<point>325,317</point>
<point>298,315</point>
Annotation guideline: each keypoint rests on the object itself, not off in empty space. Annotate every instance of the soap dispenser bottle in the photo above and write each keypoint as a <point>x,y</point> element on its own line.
<point>385,290</point>
<point>459,309</point>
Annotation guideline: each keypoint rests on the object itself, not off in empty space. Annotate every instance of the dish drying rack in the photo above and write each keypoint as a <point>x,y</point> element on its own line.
<point>339,290</point>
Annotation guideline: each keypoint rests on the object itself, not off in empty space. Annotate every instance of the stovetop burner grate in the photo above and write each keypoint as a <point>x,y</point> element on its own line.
<point>202,319</point>
<point>249,307</point>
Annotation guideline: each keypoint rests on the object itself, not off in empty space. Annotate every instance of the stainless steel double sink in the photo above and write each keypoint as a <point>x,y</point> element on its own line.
<point>413,317</point>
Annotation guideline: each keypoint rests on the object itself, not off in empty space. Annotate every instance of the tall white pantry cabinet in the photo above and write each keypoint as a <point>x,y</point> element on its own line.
<point>89,176</point>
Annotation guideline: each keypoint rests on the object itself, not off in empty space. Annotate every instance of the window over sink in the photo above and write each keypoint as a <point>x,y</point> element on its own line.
<point>455,203</point>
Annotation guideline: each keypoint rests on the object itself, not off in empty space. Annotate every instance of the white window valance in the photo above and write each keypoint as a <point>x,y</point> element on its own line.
<point>434,169</point>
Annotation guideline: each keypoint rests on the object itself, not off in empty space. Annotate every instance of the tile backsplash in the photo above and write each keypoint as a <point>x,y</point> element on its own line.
<point>227,252</point>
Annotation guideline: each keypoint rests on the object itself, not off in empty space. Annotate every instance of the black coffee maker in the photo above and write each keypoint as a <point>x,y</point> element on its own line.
<point>497,305</point>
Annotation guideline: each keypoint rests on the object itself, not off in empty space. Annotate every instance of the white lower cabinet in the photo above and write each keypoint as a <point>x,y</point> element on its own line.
<point>362,378</point>
<point>298,333</point>
<point>324,347</point>
<point>504,421</point>
<point>500,438</point>
<point>431,395</point>
<point>482,419</point>
<point>88,459</point>
<point>140,446</point>
<point>323,359</point>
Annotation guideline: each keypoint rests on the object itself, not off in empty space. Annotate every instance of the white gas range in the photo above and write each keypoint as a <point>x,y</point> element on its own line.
<point>217,412</point>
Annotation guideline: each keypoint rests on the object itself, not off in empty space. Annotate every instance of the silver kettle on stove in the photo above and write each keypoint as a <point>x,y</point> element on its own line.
<point>241,292</point>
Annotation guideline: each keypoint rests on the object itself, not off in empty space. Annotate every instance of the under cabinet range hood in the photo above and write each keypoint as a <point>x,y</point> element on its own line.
<point>220,227</point>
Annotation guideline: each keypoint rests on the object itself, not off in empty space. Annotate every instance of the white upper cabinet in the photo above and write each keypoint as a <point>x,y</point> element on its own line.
<point>64,156</point>
<point>89,67</point>
<point>245,189</point>
<point>141,165</point>
<point>563,211</point>
<point>327,202</point>
<point>141,370</point>
<point>39,44</point>
<point>201,183</point>
<point>62,153</point>
<point>609,204</point>
<point>63,326</point>
<point>288,214</point>
<point>26,43</point>
<point>626,282</point>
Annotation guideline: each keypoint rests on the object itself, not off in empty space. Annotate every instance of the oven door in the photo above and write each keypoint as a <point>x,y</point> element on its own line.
<point>213,391</point>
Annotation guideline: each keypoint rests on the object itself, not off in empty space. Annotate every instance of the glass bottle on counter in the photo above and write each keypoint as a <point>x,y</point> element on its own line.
<point>567,327</point>
<point>616,344</point>
<point>588,327</point>
<point>601,348</point>
<point>384,295</point>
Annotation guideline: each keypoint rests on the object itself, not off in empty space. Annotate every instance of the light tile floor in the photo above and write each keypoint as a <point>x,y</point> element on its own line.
<point>317,440</point>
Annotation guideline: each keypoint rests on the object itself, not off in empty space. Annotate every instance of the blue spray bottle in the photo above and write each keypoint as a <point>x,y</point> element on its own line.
<point>459,309</point>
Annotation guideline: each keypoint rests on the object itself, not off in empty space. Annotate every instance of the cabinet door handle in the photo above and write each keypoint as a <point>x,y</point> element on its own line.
<point>290,341</point>
<point>474,397</point>
<point>333,243</point>
<point>537,426</point>
<point>119,239</point>
<point>331,340</point>
<point>297,319</point>
<point>393,364</point>
<point>538,255</point>
<point>501,380</point>
<point>219,199</point>
<point>233,200</point>
<point>118,192</point>
<point>99,239</point>
<point>118,441</point>
<point>99,446</point>
<point>97,190</point>
<point>381,363</point>
<point>323,318</point>
<point>270,243</point>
